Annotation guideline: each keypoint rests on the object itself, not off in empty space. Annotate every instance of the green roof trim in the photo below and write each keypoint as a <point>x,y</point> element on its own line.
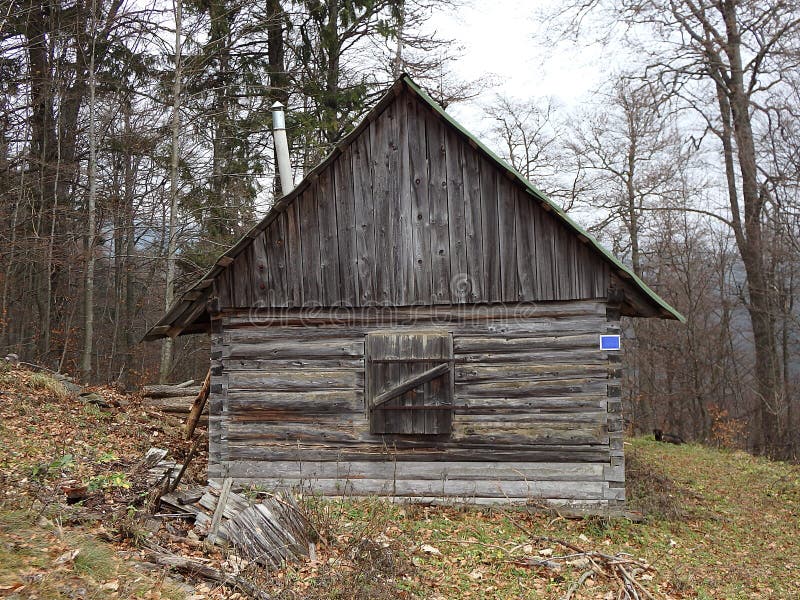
<point>532,189</point>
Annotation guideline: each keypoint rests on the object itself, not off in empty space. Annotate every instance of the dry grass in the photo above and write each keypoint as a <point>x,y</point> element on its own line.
<point>649,490</point>
<point>43,382</point>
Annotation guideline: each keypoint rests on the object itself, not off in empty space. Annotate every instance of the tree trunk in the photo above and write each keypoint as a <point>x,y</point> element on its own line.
<point>750,240</point>
<point>91,213</point>
<point>169,292</point>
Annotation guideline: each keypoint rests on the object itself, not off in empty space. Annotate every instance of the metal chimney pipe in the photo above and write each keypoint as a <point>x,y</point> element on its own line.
<point>282,148</point>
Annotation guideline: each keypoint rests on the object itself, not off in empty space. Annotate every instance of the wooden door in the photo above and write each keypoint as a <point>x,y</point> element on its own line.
<point>410,382</point>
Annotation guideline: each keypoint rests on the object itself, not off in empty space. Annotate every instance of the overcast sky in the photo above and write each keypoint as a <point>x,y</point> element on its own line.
<point>505,38</point>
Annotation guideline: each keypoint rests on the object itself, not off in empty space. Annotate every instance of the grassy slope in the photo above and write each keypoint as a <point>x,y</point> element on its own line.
<point>49,550</point>
<point>736,537</point>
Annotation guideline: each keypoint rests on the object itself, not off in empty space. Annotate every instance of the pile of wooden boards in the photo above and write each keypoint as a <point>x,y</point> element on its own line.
<point>160,469</point>
<point>267,530</point>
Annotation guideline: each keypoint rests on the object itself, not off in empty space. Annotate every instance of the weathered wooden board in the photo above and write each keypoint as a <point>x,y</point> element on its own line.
<point>290,219</point>
<point>403,450</point>
<point>440,230</point>
<point>345,206</point>
<point>309,239</point>
<point>328,240</point>
<point>420,207</point>
<point>456,220</point>
<point>298,349</point>
<point>398,316</point>
<point>292,379</point>
<point>245,403</point>
<point>365,219</point>
<point>581,490</point>
<point>421,470</point>
<point>523,388</point>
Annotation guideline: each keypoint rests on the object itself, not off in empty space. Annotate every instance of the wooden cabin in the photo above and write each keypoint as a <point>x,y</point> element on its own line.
<point>416,320</point>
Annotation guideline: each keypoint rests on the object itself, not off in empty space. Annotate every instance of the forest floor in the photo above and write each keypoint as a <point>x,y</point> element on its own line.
<point>718,524</point>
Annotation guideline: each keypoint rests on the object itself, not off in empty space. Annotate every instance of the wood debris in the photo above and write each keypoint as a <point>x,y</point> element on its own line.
<point>161,471</point>
<point>269,530</point>
<point>622,569</point>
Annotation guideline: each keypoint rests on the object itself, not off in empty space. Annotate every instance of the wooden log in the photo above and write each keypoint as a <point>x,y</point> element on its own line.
<point>550,453</point>
<point>420,470</point>
<point>242,403</point>
<point>195,568</point>
<point>293,380</point>
<point>399,315</point>
<point>177,405</point>
<point>169,391</point>
<point>294,349</point>
<point>577,490</point>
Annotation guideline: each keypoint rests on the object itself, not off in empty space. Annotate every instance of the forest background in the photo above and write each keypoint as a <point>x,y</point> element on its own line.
<point>135,147</point>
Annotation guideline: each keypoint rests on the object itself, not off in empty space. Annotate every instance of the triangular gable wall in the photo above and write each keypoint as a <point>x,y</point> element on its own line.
<point>504,242</point>
<point>410,214</point>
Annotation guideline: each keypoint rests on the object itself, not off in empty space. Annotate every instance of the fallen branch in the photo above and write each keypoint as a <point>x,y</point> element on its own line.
<point>606,565</point>
<point>197,568</point>
<point>186,461</point>
<point>581,580</point>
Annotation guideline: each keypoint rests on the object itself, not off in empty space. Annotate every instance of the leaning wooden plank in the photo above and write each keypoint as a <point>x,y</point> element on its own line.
<point>410,383</point>
<point>221,503</point>
<point>198,406</point>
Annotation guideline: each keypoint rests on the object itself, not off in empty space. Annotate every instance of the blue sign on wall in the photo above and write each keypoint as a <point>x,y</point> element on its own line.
<point>610,342</point>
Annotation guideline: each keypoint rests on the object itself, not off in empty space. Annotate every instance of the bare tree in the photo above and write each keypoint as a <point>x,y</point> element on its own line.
<point>634,161</point>
<point>722,58</point>
<point>172,242</point>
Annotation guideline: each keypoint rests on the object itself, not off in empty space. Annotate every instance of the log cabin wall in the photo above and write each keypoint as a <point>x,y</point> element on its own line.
<point>535,415</point>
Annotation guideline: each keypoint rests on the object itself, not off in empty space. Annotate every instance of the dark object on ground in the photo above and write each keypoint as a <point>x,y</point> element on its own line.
<point>94,398</point>
<point>75,491</point>
<point>669,438</point>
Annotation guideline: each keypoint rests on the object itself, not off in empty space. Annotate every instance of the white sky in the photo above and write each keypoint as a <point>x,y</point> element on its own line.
<point>505,38</point>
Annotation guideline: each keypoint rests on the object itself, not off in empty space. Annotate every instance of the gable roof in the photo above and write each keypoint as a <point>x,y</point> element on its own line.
<point>189,313</point>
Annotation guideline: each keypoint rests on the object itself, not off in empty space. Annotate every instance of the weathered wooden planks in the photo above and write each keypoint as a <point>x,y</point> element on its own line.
<point>409,213</point>
<point>529,385</point>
